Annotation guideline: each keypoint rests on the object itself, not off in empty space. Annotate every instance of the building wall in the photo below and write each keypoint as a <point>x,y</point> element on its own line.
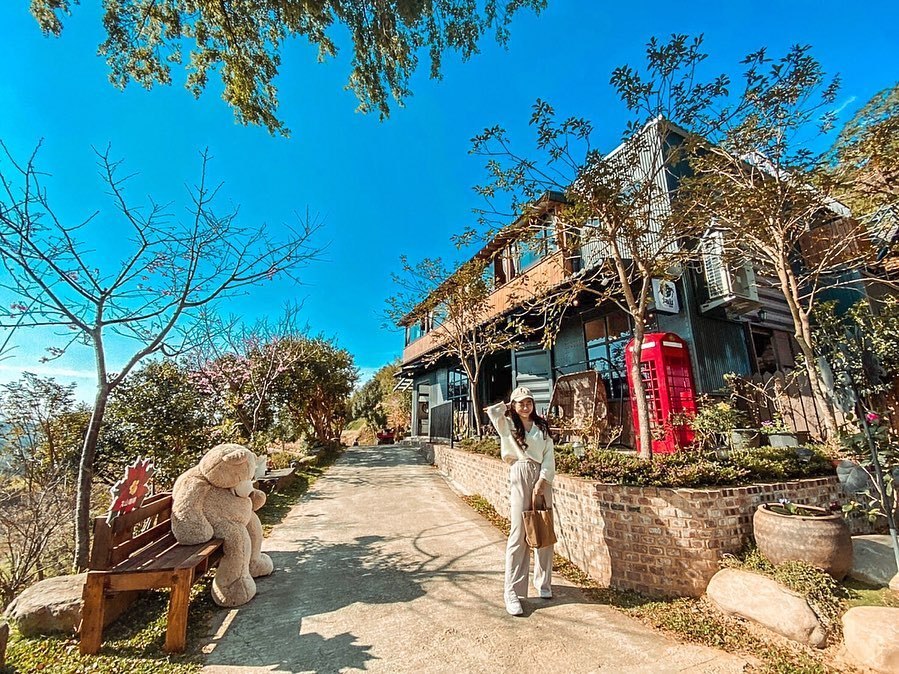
<point>653,540</point>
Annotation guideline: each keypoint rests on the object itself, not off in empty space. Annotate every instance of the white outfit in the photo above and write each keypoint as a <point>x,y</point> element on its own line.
<point>527,466</point>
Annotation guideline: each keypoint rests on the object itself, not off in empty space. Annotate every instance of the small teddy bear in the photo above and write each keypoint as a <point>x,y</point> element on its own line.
<point>216,499</point>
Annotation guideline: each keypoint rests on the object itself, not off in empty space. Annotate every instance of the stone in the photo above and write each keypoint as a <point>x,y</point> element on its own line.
<point>874,562</point>
<point>51,606</point>
<point>768,603</point>
<point>871,636</point>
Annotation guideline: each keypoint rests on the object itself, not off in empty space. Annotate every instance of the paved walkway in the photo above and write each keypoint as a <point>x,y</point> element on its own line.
<point>382,568</point>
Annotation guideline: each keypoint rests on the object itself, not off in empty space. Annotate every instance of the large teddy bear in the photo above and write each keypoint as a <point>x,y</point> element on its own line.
<point>216,499</point>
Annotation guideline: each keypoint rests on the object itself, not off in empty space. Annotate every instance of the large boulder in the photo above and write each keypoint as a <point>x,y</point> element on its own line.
<point>871,635</point>
<point>768,603</point>
<point>873,560</point>
<point>50,606</point>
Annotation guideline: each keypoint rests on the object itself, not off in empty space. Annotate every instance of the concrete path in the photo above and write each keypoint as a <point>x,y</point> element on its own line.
<point>382,568</point>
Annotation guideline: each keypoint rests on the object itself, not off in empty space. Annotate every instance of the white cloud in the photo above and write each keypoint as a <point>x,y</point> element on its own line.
<point>48,371</point>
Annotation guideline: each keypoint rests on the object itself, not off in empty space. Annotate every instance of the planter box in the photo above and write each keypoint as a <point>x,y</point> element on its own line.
<point>783,439</point>
<point>744,438</point>
<point>654,540</point>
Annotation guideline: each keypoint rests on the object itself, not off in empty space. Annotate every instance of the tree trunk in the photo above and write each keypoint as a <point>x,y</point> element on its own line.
<point>475,404</point>
<point>638,391</point>
<point>822,401</point>
<point>86,479</point>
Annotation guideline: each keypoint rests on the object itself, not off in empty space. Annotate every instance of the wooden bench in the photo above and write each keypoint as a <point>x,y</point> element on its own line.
<point>276,480</point>
<point>137,551</point>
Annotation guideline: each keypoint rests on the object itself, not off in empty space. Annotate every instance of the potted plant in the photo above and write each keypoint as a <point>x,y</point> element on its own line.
<point>786,531</point>
<point>778,433</point>
<point>722,423</point>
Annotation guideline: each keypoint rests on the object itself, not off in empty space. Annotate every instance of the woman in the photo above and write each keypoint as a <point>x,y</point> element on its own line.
<point>525,443</point>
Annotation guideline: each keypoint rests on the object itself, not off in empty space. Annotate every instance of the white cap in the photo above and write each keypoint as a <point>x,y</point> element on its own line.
<point>521,393</point>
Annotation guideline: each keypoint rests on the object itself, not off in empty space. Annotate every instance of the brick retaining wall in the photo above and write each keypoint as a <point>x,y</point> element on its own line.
<point>654,540</point>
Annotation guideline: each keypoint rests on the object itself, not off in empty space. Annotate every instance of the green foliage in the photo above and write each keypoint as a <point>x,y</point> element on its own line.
<point>244,41</point>
<point>694,469</point>
<point>367,404</point>
<point>156,413</point>
<point>717,417</point>
<point>488,446</point>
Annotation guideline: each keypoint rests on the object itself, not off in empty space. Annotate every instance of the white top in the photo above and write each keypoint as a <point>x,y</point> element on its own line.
<point>539,447</point>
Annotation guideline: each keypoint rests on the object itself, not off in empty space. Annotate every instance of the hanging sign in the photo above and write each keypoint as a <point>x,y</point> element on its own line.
<point>665,295</point>
<point>129,492</point>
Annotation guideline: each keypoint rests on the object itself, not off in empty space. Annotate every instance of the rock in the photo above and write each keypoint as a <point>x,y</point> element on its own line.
<point>48,607</point>
<point>871,635</point>
<point>873,560</point>
<point>768,603</point>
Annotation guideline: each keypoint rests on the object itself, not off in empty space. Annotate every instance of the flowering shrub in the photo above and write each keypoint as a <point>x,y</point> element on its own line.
<point>775,425</point>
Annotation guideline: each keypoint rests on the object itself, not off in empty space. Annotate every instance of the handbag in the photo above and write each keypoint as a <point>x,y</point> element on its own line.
<point>538,524</point>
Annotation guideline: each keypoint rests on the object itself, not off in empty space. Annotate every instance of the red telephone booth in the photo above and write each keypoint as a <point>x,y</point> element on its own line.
<point>668,381</point>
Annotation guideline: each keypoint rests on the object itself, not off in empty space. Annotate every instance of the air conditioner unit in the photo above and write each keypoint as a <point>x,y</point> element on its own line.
<point>732,288</point>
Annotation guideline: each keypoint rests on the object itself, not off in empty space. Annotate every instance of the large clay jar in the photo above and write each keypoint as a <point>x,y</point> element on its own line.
<point>822,541</point>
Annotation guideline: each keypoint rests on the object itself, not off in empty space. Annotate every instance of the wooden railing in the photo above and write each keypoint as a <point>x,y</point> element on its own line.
<point>533,282</point>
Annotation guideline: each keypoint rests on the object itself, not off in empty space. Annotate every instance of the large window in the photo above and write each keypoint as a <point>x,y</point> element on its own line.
<point>457,392</point>
<point>607,337</point>
<point>543,243</point>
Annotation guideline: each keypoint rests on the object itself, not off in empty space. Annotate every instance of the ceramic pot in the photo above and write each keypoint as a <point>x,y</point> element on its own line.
<point>822,541</point>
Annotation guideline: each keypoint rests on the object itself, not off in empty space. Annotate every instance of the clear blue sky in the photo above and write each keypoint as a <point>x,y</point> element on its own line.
<point>380,188</point>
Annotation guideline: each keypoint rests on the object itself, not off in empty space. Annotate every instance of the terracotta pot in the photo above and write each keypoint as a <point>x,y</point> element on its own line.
<point>822,541</point>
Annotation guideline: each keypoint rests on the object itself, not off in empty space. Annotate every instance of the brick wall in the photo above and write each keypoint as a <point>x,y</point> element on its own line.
<point>654,540</point>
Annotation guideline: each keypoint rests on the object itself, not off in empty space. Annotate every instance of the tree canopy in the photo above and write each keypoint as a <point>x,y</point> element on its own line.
<point>244,40</point>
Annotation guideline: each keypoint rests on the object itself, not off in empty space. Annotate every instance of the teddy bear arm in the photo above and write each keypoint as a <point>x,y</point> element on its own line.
<point>258,498</point>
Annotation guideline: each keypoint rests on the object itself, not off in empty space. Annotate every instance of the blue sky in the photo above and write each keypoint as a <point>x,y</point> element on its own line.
<point>380,189</point>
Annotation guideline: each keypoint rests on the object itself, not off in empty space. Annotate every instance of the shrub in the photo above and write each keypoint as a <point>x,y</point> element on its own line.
<point>694,469</point>
<point>488,446</point>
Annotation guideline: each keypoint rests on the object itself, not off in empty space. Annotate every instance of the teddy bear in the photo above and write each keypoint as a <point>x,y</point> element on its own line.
<point>216,499</point>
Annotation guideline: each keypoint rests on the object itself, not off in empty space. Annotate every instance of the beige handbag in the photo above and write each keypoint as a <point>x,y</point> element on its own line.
<point>538,524</point>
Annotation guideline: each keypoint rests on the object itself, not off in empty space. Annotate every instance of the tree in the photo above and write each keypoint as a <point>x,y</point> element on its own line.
<point>617,204</point>
<point>151,300</point>
<point>866,156</point>
<point>771,198</point>
<point>157,413</point>
<point>367,404</point>
<point>244,40</point>
<point>31,416</point>
<point>457,302</point>
<point>239,366</point>
<point>315,390</point>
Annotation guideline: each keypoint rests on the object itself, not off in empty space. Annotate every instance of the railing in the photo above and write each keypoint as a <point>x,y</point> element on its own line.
<point>547,274</point>
<point>441,421</point>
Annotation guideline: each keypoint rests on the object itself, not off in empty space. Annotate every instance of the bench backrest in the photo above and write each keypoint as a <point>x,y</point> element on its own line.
<point>116,541</point>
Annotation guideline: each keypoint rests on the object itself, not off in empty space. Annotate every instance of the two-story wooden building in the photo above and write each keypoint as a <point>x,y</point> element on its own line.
<point>731,321</point>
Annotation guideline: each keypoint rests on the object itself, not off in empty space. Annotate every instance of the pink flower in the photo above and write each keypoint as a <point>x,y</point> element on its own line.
<point>872,417</point>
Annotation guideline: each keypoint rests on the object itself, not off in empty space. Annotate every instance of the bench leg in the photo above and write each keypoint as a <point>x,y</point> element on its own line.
<point>176,632</point>
<point>92,614</point>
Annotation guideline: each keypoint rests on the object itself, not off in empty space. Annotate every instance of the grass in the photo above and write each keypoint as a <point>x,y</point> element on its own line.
<point>691,620</point>
<point>134,644</point>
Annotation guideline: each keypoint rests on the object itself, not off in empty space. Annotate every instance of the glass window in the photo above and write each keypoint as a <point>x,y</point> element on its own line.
<point>457,385</point>
<point>607,337</point>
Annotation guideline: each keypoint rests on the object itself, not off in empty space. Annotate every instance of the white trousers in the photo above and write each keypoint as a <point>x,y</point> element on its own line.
<point>522,478</point>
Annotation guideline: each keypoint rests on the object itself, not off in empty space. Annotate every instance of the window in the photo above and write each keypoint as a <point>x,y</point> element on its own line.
<point>533,250</point>
<point>607,337</point>
<point>457,392</point>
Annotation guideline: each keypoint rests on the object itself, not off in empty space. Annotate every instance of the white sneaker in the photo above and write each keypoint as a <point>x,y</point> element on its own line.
<point>513,605</point>
<point>545,594</point>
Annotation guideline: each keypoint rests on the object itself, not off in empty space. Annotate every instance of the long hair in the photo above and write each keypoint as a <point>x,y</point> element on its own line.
<point>518,431</point>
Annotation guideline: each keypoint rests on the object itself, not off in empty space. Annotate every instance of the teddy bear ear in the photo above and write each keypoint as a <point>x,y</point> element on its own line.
<point>235,456</point>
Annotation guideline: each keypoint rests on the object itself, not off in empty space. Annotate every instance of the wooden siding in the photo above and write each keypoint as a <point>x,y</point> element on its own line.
<point>534,282</point>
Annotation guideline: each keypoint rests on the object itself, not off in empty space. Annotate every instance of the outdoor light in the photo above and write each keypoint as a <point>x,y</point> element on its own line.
<point>763,314</point>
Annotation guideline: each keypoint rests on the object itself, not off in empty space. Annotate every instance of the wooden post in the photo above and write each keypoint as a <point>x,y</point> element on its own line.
<point>92,614</point>
<point>4,637</point>
<point>176,632</point>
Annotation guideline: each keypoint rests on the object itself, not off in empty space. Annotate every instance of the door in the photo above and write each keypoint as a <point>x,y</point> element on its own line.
<point>423,407</point>
<point>532,367</point>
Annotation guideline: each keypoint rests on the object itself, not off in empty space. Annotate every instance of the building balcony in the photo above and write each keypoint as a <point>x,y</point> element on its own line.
<point>535,281</point>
